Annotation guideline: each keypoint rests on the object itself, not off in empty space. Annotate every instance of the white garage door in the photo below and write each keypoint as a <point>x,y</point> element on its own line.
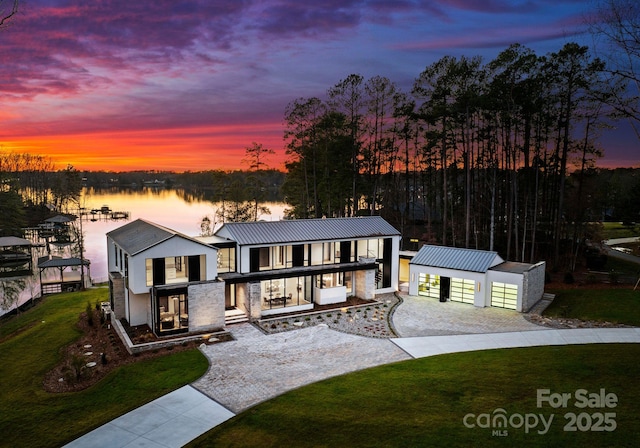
<point>462,290</point>
<point>504,295</point>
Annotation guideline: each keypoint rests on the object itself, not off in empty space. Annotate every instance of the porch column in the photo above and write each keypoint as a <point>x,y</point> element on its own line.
<point>365,281</point>
<point>253,301</point>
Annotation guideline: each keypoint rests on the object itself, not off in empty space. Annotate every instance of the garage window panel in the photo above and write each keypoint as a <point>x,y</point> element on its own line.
<point>429,285</point>
<point>462,290</point>
<point>504,295</point>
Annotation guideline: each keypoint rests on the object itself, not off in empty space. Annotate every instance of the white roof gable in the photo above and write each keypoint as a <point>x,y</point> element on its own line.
<point>140,235</point>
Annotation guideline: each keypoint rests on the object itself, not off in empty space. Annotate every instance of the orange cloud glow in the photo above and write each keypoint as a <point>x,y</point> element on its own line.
<point>179,150</point>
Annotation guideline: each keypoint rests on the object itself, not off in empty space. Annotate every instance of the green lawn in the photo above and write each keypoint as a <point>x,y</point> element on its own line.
<point>29,347</point>
<point>423,403</point>
<point>622,267</point>
<point>414,403</point>
<point>612,305</point>
<point>611,230</point>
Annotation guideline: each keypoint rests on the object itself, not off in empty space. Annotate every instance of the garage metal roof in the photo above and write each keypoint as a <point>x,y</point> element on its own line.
<point>300,230</point>
<point>456,258</point>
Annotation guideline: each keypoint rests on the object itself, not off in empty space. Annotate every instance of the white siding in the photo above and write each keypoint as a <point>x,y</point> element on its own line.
<point>175,246</point>
<point>139,309</point>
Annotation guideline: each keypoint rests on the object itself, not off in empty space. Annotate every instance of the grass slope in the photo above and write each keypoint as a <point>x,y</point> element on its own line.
<point>620,306</point>
<point>612,230</point>
<point>29,347</point>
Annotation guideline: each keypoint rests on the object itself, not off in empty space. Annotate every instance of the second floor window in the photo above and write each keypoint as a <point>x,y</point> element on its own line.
<point>169,270</point>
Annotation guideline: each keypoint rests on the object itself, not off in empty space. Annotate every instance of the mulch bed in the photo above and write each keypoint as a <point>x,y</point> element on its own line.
<point>101,345</point>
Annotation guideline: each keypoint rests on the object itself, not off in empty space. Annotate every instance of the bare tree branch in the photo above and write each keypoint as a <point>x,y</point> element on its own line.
<point>8,9</point>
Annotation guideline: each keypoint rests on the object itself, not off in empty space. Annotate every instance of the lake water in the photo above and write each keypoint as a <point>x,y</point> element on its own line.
<point>161,206</point>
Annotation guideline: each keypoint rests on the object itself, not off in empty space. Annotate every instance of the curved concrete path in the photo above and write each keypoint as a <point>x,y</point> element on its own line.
<point>420,347</point>
<point>256,366</point>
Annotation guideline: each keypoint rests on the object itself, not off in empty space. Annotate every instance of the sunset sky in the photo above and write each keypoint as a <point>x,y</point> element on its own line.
<point>187,85</point>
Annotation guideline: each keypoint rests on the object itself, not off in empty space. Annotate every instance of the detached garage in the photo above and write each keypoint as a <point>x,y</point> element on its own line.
<point>477,277</point>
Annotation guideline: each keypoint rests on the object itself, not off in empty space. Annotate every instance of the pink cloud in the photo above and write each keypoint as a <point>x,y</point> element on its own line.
<point>73,67</point>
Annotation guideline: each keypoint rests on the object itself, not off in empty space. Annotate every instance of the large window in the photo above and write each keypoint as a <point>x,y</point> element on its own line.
<point>227,259</point>
<point>169,270</point>
<point>372,248</point>
<point>173,313</point>
<point>285,292</point>
<point>317,253</point>
<point>334,279</point>
<point>269,258</point>
<point>314,254</point>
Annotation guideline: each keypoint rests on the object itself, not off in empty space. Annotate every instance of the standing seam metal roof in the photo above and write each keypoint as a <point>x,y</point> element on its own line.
<point>455,258</point>
<point>300,230</point>
<point>140,235</point>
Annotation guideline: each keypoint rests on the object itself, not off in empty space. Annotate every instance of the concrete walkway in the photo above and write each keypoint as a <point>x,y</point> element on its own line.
<point>610,250</point>
<point>172,420</point>
<point>256,366</point>
<point>614,241</point>
<point>420,347</point>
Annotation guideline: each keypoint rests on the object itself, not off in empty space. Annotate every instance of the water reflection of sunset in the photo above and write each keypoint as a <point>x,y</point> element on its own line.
<point>161,206</point>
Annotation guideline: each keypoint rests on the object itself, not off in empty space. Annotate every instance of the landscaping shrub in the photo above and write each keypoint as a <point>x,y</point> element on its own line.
<point>76,369</point>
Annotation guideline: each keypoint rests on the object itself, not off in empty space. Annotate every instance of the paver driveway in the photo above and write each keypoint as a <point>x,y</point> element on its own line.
<point>257,366</point>
<point>422,316</point>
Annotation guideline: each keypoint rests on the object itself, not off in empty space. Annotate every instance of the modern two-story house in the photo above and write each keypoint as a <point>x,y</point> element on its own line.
<point>178,284</point>
<point>164,279</point>
<point>284,266</point>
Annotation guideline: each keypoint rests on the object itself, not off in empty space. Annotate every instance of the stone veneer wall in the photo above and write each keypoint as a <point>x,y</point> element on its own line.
<point>206,306</point>
<point>533,286</point>
<point>117,292</point>
<point>140,348</point>
<point>365,281</point>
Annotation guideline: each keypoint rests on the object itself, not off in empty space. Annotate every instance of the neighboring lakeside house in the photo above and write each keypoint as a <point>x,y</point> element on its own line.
<point>273,267</point>
<point>178,284</point>
<point>477,277</point>
<point>164,279</point>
